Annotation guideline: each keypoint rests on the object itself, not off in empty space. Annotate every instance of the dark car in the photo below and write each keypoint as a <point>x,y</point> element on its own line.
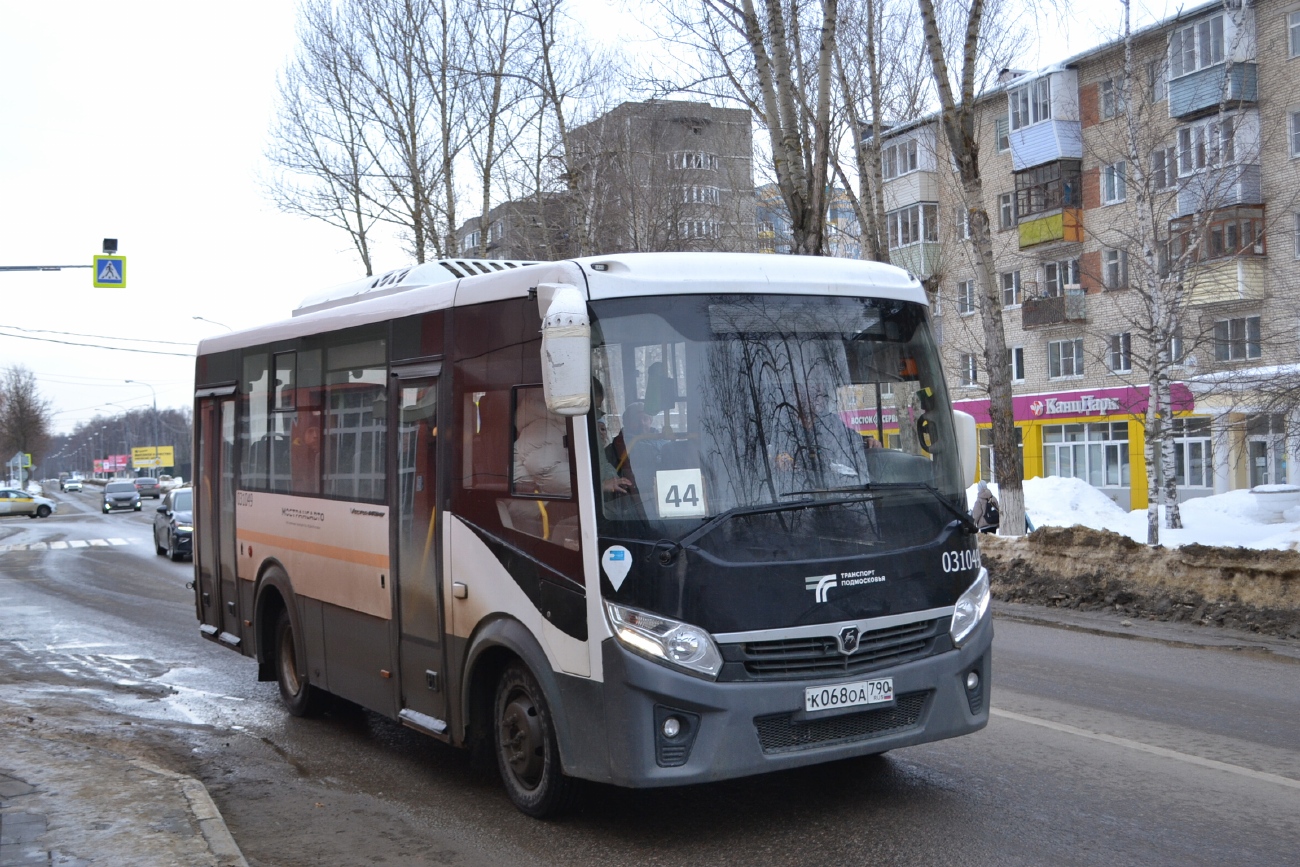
<point>148,487</point>
<point>173,526</point>
<point>120,495</point>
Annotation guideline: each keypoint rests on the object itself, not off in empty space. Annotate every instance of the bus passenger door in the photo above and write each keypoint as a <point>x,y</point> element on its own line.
<point>419,555</point>
<point>214,505</point>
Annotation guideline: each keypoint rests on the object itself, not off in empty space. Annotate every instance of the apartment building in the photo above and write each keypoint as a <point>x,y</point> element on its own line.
<point>1208,105</point>
<point>656,176</point>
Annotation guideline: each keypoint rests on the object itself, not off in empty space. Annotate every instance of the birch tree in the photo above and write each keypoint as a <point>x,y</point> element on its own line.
<point>957,121</point>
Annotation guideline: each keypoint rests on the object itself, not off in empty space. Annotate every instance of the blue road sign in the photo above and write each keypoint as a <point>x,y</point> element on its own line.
<point>110,272</point>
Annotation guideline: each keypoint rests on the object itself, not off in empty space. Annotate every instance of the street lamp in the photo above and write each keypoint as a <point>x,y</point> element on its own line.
<point>213,322</point>
<point>155,419</point>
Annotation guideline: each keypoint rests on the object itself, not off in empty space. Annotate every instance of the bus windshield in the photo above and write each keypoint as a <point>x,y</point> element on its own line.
<point>829,409</point>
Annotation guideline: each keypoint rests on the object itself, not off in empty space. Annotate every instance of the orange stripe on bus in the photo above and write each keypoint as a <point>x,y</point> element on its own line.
<point>333,552</point>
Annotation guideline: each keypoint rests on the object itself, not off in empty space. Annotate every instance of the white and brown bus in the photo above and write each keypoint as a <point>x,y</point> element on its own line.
<point>645,519</point>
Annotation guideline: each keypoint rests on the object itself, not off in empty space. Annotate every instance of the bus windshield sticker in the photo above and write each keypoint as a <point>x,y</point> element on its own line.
<point>616,561</point>
<point>680,493</point>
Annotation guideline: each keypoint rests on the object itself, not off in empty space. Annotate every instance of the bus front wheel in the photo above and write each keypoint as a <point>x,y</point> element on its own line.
<point>298,695</point>
<point>528,756</point>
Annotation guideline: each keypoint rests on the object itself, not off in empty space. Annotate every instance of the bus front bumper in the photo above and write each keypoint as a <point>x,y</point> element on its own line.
<point>727,730</point>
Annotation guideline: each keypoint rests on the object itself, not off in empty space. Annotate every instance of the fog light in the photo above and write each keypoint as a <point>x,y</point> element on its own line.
<point>972,680</point>
<point>672,727</point>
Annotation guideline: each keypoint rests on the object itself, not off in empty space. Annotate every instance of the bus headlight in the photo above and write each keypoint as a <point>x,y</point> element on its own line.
<point>971,606</point>
<point>665,640</point>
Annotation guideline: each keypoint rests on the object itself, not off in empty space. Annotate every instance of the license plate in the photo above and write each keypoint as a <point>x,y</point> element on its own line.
<point>877,691</point>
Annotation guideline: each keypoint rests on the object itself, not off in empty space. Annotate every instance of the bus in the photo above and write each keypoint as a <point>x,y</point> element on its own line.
<point>644,519</point>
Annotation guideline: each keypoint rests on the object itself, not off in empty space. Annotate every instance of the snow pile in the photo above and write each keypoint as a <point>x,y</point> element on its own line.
<point>1234,519</point>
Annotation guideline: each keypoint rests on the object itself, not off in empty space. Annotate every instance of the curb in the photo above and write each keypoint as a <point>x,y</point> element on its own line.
<point>209,818</point>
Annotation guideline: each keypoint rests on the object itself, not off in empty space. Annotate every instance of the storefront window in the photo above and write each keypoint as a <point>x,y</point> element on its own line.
<point>986,452</point>
<point>1094,452</point>
<point>1193,454</point>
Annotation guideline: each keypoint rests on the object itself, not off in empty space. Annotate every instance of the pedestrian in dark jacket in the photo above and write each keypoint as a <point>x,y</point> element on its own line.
<point>986,513</point>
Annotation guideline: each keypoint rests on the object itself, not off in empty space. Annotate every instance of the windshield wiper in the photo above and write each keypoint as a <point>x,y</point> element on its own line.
<point>967,522</point>
<point>669,553</point>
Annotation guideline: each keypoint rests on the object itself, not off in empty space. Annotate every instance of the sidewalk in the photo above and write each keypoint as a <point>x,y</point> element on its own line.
<point>1176,634</point>
<point>68,803</point>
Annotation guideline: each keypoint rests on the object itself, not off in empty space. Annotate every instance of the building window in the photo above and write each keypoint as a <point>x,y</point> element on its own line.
<point>694,160</point>
<point>1096,453</point>
<point>1164,168</point>
<point>1112,183</point>
<point>968,367</point>
<point>965,296</point>
<point>1236,339</point>
<point>1007,211</point>
<point>1295,133</point>
<point>693,195</point>
<point>1157,87</point>
<point>1295,237</point>
<point>1119,353</point>
<point>697,229</point>
<point>1049,188</point>
<point>1196,46</point>
<point>1010,288</point>
<point>913,225</point>
<point>899,159</point>
<point>1016,363</point>
<point>1293,34</point>
<point>1114,268</point>
<point>1031,104</point>
<point>1001,127</point>
<point>961,219</point>
<point>1058,275</point>
<point>1176,347</point>
<point>1205,145</point>
<point>936,304</point>
<point>1193,452</point>
<point>1065,358</point>
<point>1111,96</point>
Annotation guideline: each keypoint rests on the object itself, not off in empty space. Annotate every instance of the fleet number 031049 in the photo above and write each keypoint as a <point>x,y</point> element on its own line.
<point>848,694</point>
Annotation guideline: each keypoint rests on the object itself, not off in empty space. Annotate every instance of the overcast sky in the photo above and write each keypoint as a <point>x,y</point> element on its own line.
<point>146,122</point>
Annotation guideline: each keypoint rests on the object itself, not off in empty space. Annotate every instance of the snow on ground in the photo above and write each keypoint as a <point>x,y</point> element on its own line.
<point>1235,519</point>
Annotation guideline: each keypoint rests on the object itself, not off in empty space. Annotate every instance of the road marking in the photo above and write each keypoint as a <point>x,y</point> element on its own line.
<point>68,543</point>
<point>1148,748</point>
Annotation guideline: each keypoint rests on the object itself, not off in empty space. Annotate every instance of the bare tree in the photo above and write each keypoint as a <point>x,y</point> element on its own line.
<point>323,168</point>
<point>781,67</point>
<point>25,416</point>
<point>957,120</point>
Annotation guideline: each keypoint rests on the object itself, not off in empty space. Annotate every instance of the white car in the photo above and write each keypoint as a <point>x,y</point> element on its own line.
<point>16,502</point>
<point>71,484</point>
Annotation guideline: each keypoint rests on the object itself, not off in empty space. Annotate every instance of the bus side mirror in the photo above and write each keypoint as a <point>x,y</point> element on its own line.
<point>967,445</point>
<point>566,349</point>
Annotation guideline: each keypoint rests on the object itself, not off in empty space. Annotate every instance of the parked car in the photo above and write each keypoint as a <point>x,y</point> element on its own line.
<point>119,495</point>
<point>16,502</point>
<point>147,487</point>
<point>173,526</point>
<point>70,485</point>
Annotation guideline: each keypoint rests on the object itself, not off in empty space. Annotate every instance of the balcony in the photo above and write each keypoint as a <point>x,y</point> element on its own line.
<point>1204,90</point>
<point>1064,225</point>
<point>1234,279</point>
<point>1037,312</point>
<point>921,259</point>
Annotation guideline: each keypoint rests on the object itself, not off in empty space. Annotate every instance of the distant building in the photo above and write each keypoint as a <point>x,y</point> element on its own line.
<point>536,228</point>
<point>843,237</point>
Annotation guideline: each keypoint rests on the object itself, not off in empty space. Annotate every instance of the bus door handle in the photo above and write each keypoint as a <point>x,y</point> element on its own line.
<point>459,590</point>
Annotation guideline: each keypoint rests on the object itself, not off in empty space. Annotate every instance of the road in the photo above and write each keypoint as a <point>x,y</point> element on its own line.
<point>1101,750</point>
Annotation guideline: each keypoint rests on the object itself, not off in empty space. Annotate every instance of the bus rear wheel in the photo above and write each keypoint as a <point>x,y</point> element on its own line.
<point>298,695</point>
<point>528,755</point>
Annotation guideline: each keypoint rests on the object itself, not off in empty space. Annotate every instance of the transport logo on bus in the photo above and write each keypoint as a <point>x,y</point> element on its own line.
<point>821,585</point>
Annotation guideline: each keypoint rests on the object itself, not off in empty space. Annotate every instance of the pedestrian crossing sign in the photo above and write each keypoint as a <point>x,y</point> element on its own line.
<point>110,272</point>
